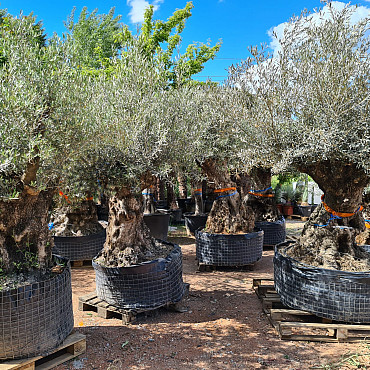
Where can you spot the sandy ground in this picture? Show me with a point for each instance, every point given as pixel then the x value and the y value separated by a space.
pixel 224 328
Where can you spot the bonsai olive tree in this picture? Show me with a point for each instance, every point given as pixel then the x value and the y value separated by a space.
pixel 311 109
pixel 40 129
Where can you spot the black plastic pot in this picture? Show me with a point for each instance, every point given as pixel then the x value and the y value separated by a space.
pixel 228 250
pixel 78 248
pixel 176 215
pixel 305 211
pixel 338 295
pixel 102 212
pixel 146 286
pixel 274 232
pixel 36 318
pixel 158 224
pixel 195 222
pixel 182 204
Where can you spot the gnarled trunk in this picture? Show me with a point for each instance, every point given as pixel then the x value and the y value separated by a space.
pixel 228 213
pixel 327 240
pixel 171 201
pixel 364 236
pixel 260 196
pixel 76 220
pixel 183 188
pixel 148 200
pixel 160 189
pixel 24 234
pixel 128 239
pixel 197 193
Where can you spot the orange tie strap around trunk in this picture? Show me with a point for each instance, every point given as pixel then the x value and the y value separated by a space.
pixel 223 190
pixel 339 214
pixel 64 196
pixel 367 224
pixel 261 194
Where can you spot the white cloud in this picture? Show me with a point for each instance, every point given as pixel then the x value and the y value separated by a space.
pixel 359 13
pixel 138 8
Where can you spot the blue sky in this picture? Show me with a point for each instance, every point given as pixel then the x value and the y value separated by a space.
pixel 239 23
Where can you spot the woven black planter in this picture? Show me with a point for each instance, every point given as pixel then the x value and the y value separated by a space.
pixel 274 232
pixel 228 250
pixel 195 222
pixel 36 318
pixel 146 286
pixel 78 248
pixel 332 294
pixel 158 224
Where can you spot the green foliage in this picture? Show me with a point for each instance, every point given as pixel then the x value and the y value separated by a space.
pixel 159 41
pixel 95 37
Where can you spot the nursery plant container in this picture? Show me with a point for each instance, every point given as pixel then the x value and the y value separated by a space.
pixel 37 317
pixel 194 222
pixel 181 203
pixel 332 294
pixel 304 211
pixel 280 208
pixel 158 224
pixel 102 212
pixel 228 249
pixel 176 215
pixel 146 286
pixel 274 232
pixel 287 210
pixel 78 248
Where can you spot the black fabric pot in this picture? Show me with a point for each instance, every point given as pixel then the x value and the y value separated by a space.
pixel 158 224
pixel 78 248
pixel 195 222
pixel 176 215
pixel 228 250
pixel 274 232
pixel 36 318
pixel 332 294
pixel 146 286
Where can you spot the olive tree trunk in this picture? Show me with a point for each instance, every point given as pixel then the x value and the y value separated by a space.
pixel 228 214
pixel 327 241
pixel 128 239
pixel 24 232
pixel 171 201
pixel 197 193
pixel 183 188
pixel 262 203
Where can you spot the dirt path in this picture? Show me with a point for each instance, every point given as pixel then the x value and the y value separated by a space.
pixel 224 328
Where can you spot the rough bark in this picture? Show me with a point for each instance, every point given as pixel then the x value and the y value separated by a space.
pixel 364 236
pixel 228 214
pixel 160 189
pixel 183 188
pixel 76 220
pixel 171 201
pixel 24 233
pixel 333 246
pixel 197 193
pixel 264 207
pixel 148 200
pixel 128 238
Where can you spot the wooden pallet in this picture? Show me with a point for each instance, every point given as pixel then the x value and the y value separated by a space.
pixel 294 324
pixel 91 302
pixel 73 346
pixel 202 267
pixel 297 217
pixel 82 263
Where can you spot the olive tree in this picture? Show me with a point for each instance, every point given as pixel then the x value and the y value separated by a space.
pixel 40 130
pixel 310 111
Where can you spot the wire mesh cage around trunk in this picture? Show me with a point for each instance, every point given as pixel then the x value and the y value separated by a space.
pixel 274 232
pixel 146 286
pixel 333 294
pixel 36 318
pixel 228 250
pixel 78 248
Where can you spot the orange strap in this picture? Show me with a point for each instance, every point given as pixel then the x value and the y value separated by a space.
pixel 64 196
pixel 261 195
pixel 197 190
pixel 339 214
pixel 223 190
pixel 367 225
pixel 90 198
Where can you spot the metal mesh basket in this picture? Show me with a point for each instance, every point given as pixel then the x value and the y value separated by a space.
pixel 78 248
pixel 274 232
pixel 146 286
pixel 228 250
pixel 36 318
pixel 332 294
